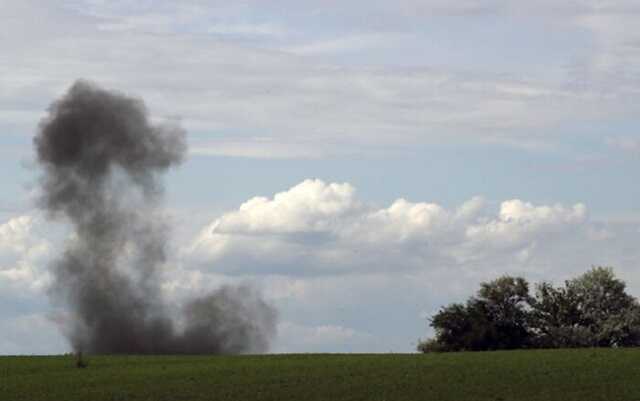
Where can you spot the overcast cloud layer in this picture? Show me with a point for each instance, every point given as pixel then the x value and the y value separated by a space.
pixel 363 162
pixel 301 79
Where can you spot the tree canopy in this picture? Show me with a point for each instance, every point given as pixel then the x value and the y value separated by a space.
pixel 592 310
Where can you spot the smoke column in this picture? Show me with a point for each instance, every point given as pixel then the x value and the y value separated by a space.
pixel 101 160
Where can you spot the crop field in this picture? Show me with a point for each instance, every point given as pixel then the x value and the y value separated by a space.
pixel 588 374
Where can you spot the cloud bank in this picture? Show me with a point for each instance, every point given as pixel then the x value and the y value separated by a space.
pixel 323 228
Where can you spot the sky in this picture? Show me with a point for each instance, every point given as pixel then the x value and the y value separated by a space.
pixel 362 163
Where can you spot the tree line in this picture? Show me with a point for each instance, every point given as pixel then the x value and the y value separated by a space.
pixel 592 310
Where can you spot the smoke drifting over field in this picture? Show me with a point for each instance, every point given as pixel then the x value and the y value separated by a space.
pixel 102 160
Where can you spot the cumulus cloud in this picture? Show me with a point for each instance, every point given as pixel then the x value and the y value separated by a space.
pixel 24 252
pixel 310 206
pixel 521 225
pixel 22 255
pixel 319 228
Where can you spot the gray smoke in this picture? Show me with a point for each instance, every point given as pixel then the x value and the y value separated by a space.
pixel 102 160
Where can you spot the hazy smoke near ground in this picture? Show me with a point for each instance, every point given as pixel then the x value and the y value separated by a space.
pixel 102 159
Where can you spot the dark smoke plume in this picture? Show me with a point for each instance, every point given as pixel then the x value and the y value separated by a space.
pixel 102 159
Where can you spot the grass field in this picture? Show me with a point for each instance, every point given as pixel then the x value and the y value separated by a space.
pixel 567 375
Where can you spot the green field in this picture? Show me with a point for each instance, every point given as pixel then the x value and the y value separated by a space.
pixel 591 374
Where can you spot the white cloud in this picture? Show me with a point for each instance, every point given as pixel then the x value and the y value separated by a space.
pixel 22 255
pixel 311 206
pixel 521 223
pixel 320 228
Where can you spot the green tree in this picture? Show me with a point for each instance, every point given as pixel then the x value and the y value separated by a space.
pixel 555 318
pixel 507 300
pixel 592 310
pixel 461 328
pixel 611 315
pixel 495 319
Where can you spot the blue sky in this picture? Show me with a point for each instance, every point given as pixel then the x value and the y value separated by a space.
pixel 361 162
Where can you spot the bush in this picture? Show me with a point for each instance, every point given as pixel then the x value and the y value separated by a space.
pixel 431 345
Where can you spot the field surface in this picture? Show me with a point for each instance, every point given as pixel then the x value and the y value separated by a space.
pixel 565 375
